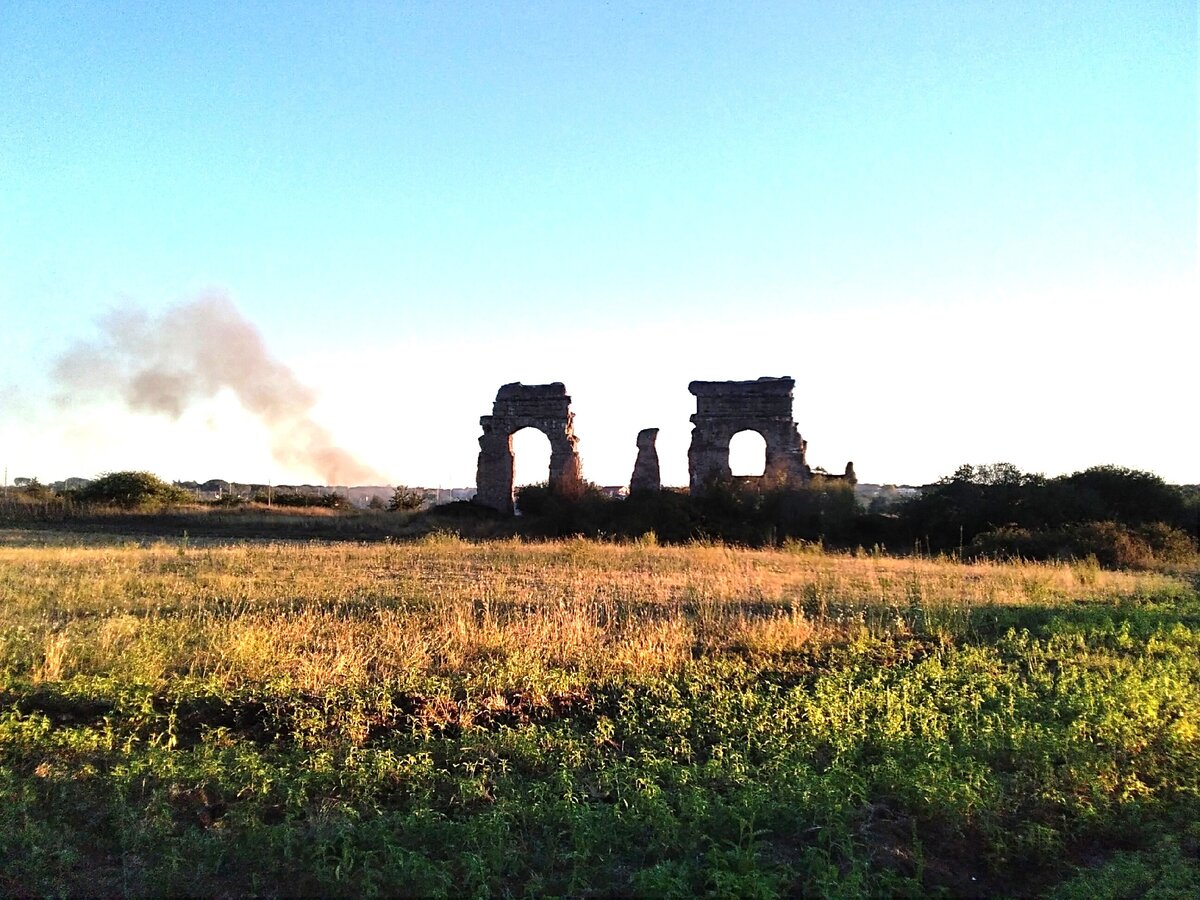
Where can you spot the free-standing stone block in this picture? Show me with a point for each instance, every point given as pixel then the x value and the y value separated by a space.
pixel 545 407
pixel 645 469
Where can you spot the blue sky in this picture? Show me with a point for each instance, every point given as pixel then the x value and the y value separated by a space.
pixel 967 229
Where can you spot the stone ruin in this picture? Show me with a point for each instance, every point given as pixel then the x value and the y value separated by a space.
pixel 723 409
pixel 645 468
pixel 545 407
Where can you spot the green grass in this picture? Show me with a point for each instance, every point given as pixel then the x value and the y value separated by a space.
pixel 447 718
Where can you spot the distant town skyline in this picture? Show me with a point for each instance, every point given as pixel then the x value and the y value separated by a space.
pixel 967 230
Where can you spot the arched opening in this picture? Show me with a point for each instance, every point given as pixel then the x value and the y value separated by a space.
pixel 747 454
pixel 531 457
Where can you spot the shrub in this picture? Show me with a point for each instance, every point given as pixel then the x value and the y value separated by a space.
pixel 978 500
pixel 758 513
pixel 131 489
pixel 974 500
pixel 532 499
pixel 582 510
pixel 1129 495
pixel 1112 544
pixel 322 499
pixel 466 511
pixel 1169 544
pixel 669 514
pixel 405 499
pixel 746 511
pixel 34 490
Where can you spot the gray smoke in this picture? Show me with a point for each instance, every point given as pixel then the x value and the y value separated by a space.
pixel 163 364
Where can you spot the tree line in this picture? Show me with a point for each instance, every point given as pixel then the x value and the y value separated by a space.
pixel 1116 515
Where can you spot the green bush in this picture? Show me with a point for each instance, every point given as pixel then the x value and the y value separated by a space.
pixel 321 499
pixel 131 489
pixel 1128 495
pixel 35 491
pixel 755 513
pixel 1112 544
pixel 668 514
pixel 405 499
pixel 533 499
pixel 1122 517
pixel 549 512
pixel 979 500
pixel 740 512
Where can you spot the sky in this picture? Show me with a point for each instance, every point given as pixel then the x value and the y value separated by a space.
pixel 967 229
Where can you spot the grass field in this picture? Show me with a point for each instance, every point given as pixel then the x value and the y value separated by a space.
pixel 450 718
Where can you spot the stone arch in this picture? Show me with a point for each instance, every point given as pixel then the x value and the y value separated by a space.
pixel 724 408
pixel 545 407
pixel 748 447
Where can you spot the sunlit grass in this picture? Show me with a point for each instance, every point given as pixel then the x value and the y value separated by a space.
pixel 450 718
pixel 320 616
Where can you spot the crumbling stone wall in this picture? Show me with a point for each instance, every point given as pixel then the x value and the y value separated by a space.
pixel 848 476
pixel 545 407
pixel 723 408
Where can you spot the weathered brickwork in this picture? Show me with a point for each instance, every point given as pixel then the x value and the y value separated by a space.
pixel 723 408
pixel 545 407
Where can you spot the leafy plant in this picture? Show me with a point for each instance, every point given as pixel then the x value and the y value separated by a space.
pixel 405 499
pixel 131 489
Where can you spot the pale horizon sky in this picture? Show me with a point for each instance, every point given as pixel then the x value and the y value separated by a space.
pixel 968 230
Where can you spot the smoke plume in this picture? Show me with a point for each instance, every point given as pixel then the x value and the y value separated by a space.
pixel 163 364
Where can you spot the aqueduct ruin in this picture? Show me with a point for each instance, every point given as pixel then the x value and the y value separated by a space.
pixel 723 409
pixel 545 407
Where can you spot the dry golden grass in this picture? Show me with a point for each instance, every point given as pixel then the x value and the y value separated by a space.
pixel 319 617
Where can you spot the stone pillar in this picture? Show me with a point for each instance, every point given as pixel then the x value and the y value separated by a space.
pixel 566 470
pixel 494 475
pixel 645 469
pixel 785 455
pixel 708 456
